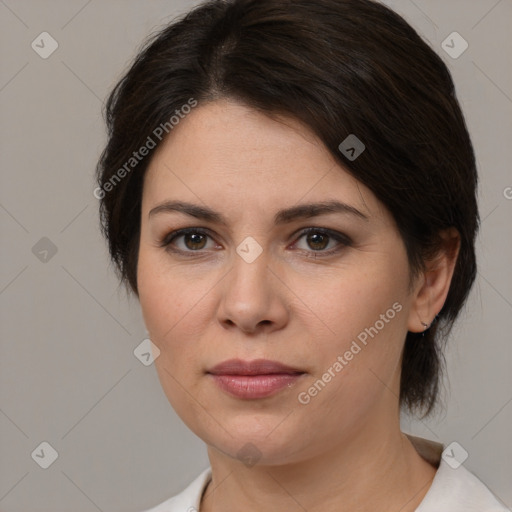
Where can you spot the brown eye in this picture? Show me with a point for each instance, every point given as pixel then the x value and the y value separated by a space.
pixel 188 240
pixel 322 242
pixel 317 241
pixel 194 241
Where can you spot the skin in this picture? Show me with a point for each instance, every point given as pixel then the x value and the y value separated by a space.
pixel 344 449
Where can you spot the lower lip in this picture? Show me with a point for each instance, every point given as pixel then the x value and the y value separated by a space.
pixel 255 386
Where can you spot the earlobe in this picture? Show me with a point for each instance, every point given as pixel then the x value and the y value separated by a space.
pixel 434 283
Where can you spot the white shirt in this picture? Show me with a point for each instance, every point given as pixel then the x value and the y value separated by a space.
pixel 452 490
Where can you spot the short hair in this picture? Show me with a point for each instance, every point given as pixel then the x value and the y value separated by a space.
pixel 340 67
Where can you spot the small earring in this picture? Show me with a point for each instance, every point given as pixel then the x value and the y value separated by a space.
pixel 426 326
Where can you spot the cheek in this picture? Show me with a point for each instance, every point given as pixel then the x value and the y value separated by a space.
pixel 349 304
pixel 168 305
pixel 176 312
pixel 165 295
pixel 366 316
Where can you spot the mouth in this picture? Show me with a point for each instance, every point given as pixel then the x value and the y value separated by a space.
pixel 251 380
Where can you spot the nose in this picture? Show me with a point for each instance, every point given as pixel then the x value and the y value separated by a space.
pixel 253 298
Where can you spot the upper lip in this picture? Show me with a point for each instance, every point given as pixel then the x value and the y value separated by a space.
pixel 256 367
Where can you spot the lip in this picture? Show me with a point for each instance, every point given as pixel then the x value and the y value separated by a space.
pixel 256 367
pixel 256 379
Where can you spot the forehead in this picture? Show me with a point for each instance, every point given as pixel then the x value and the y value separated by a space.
pixel 226 153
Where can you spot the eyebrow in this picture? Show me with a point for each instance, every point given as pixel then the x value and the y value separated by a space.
pixel 303 211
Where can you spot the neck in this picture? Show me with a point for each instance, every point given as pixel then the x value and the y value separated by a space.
pixel 374 469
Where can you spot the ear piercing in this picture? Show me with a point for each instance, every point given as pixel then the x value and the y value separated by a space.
pixel 426 326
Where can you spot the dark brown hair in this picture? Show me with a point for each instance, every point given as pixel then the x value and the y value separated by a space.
pixel 341 67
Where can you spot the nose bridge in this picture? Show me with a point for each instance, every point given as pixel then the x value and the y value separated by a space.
pixel 251 259
pixel 251 295
pixel 249 276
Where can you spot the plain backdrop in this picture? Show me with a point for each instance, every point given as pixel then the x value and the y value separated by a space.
pixel 68 373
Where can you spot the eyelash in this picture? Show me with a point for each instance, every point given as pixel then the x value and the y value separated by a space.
pixel 343 240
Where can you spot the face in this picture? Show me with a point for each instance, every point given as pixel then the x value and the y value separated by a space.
pixel 236 264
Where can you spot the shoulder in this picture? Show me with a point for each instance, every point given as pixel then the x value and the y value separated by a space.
pixel 454 488
pixel 459 490
pixel 187 500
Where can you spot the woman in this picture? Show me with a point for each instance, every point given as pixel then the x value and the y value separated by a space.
pixel 289 190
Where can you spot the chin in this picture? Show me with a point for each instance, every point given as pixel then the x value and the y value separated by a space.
pixel 254 439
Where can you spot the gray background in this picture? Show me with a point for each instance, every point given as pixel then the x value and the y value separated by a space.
pixel 68 374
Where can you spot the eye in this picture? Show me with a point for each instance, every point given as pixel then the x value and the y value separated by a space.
pixel 188 240
pixel 320 240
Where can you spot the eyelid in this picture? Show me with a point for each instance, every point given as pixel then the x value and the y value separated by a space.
pixel 341 238
pixel 337 235
pixel 169 237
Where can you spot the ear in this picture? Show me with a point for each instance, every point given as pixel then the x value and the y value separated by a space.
pixel 432 285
